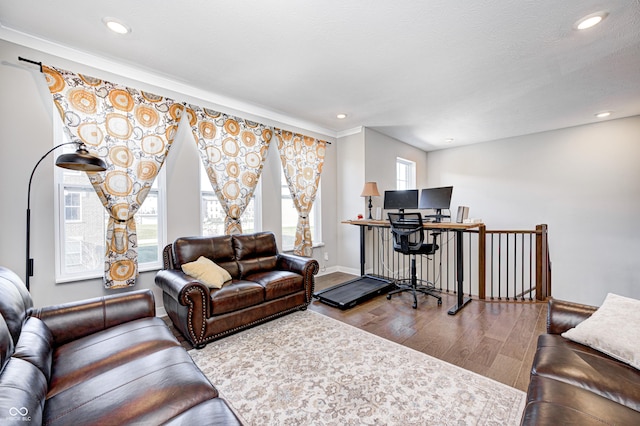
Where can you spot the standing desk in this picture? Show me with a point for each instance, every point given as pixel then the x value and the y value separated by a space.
pixel 458 228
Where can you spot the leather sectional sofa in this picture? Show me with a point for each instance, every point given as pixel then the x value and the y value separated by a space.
pixel 264 284
pixel 575 384
pixel 107 361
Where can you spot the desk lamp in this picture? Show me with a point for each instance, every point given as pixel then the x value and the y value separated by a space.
pixel 370 190
pixel 80 160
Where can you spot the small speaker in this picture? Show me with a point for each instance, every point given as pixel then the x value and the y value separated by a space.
pixel 463 214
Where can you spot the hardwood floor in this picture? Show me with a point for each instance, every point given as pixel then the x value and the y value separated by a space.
pixel 494 339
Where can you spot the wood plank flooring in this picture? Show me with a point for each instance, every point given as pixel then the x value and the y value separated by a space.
pixel 494 339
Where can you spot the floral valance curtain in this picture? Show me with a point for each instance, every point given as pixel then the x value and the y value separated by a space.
pixel 233 151
pixel 302 159
pixel 132 131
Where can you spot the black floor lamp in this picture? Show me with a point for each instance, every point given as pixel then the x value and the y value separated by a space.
pixel 79 160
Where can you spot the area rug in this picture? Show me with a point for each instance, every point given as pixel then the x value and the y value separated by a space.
pixel 309 369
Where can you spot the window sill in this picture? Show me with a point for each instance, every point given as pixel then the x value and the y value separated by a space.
pixel 149 267
pixel 315 245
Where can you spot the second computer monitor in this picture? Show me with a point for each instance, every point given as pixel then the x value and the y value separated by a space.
pixel 401 199
pixel 436 198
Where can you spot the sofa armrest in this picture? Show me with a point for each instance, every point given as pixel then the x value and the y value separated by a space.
pixel 299 264
pixel 187 302
pixel 180 286
pixel 563 315
pixel 304 266
pixel 71 321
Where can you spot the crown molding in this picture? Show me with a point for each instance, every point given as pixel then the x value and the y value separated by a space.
pixel 349 132
pixel 131 72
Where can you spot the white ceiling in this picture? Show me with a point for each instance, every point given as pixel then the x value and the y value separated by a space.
pixel 420 71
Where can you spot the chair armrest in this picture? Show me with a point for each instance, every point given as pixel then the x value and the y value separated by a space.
pixel 563 315
pixel 299 264
pixel 71 321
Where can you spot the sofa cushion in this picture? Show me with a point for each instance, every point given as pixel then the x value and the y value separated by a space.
pixel 583 367
pixel 613 329
pixel 15 300
pixel 235 296
pixel 207 272
pixel 255 252
pixel 90 356
pixel 278 283
pixel 551 402
pixel 35 345
pixel 150 389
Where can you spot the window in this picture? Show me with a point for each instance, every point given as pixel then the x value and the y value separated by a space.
pixel 290 217
pixel 73 250
pixel 72 206
pixel 213 214
pixel 82 221
pixel 405 174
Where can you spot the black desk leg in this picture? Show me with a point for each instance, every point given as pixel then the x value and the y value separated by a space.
pixel 362 259
pixel 462 301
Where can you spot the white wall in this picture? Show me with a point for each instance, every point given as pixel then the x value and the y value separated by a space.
pixel 351 177
pixel 26 133
pixel 584 182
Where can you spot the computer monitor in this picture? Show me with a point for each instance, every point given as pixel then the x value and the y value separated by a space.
pixel 401 199
pixel 437 199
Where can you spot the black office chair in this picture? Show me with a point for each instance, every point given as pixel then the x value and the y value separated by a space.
pixel 408 238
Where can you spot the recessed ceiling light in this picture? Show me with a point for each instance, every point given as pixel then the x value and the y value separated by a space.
pixel 448 140
pixel 341 116
pixel 603 114
pixel 590 20
pixel 116 26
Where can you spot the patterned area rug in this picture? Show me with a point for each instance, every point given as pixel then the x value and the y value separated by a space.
pixel 309 369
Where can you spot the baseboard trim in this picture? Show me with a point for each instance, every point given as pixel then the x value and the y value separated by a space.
pixel 327 271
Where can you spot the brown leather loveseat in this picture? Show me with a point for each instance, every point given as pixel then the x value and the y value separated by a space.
pixel 264 284
pixel 575 384
pixel 106 361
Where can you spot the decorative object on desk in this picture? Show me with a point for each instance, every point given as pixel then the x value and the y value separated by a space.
pixel 463 214
pixel 370 190
pixel 80 160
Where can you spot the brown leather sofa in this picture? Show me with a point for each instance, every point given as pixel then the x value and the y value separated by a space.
pixel 575 384
pixel 265 284
pixel 106 361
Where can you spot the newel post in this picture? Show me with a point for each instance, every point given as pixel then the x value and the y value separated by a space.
pixel 543 271
pixel 482 261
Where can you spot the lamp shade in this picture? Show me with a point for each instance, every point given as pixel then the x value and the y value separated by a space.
pixel 370 190
pixel 81 160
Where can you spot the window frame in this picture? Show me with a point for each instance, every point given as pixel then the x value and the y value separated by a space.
pixel 408 178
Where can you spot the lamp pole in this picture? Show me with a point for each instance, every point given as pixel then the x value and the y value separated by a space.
pixel 29 260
